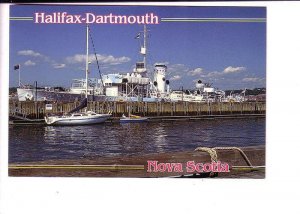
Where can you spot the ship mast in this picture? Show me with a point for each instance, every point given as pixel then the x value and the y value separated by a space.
pixel 87 62
pixel 141 66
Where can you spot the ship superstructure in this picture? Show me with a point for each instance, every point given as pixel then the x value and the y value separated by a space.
pixel 137 86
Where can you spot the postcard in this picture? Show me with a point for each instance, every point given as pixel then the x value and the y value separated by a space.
pixel 137 91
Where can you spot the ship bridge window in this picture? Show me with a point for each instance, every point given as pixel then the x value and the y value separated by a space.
pixel 77 85
pixel 140 65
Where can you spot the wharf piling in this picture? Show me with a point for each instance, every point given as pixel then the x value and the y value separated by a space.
pixel 37 110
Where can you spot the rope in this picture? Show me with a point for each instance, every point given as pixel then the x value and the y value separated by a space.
pixel 213 153
pixel 96 56
pixel 214 156
pixel 238 149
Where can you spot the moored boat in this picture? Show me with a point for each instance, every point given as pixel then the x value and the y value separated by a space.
pixel 84 118
pixel 133 119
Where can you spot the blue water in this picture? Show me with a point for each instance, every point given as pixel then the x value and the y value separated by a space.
pixel 36 143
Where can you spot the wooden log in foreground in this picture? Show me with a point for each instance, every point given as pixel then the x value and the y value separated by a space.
pixel 137 166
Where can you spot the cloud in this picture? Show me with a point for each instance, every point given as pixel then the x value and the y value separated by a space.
pixel 78 58
pixel 212 74
pixel 228 70
pixel 58 66
pixel 251 79
pixel 29 63
pixel 165 63
pixel 29 53
pixel 177 69
pixel 195 72
pixel 103 59
pixel 231 69
pixel 175 78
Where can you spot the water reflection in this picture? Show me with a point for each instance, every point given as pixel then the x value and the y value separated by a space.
pixel 33 143
pixel 159 137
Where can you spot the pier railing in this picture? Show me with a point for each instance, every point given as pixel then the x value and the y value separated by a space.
pixel 37 110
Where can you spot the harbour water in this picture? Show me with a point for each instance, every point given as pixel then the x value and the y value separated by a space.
pixel 38 143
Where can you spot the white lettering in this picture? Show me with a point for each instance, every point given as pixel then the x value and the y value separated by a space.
pixel 90 18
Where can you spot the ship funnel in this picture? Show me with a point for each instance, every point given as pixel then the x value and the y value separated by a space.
pixel 160 76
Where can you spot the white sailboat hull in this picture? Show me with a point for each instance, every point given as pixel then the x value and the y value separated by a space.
pixel 77 120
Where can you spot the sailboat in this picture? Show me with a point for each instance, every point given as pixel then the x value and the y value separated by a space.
pixel 82 118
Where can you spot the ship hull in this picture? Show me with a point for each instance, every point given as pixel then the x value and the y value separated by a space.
pixel 42 95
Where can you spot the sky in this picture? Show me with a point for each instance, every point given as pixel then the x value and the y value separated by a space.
pixel 229 55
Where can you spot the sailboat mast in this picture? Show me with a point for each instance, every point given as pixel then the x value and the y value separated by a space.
pixel 87 61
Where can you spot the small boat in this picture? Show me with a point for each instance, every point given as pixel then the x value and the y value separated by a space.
pixel 132 119
pixel 82 118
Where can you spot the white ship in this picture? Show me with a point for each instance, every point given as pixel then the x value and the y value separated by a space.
pixel 203 92
pixel 134 86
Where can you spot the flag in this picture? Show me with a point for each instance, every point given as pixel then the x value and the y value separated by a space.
pixel 138 36
pixel 16 67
